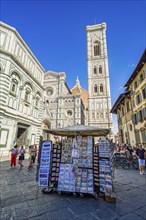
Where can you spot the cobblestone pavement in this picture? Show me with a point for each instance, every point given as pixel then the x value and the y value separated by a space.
pixel 19 200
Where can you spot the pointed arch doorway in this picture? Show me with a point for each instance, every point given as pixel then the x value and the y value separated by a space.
pixel 46 124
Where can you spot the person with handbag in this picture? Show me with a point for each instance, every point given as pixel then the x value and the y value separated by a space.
pixel 21 153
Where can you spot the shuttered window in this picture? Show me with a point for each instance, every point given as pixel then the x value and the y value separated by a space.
pixel 143 134
pixel 137 135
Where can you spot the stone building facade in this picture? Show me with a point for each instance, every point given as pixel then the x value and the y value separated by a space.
pixel 32 100
pixel 98 78
pixel 62 107
pixel 130 107
pixel 21 94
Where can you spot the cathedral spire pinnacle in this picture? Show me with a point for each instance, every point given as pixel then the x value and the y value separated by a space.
pixel 78 83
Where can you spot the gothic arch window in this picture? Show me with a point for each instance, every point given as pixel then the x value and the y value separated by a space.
pixel 95 88
pixel 97 48
pixel 15 80
pixel 27 94
pixel 101 88
pixel 28 91
pixel 14 86
pixel 37 100
pixel 100 69
pixel 95 70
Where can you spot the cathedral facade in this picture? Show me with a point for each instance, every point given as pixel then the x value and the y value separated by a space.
pixel 62 107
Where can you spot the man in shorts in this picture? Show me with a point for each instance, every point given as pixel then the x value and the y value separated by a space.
pixel 140 155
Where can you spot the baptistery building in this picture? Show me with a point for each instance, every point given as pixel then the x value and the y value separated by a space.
pixel 21 94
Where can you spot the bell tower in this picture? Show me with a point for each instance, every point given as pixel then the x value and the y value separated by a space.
pixel 98 78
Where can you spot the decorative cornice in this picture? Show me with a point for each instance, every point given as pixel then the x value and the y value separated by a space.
pixel 2 24
pixel 21 66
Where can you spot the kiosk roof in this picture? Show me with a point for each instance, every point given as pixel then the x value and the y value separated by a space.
pixel 79 130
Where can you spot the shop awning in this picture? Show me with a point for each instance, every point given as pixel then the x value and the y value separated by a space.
pixel 79 130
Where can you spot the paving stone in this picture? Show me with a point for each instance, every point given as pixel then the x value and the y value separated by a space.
pixel 26 213
pixel 141 212
pixel 40 217
pixel 36 202
pixel 30 196
pixel 77 200
pixel 55 206
pixel 51 197
pixel 14 207
pixel 87 217
pixel 106 214
pixel 130 216
pixel 7 216
pixel 12 201
pixel 80 209
pixel 42 209
pixel 123 208
pixel 63 214
pixel 133 192
pixel 100 204
pixel 11 194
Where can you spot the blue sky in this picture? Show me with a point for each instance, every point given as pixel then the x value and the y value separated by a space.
pixel 55 32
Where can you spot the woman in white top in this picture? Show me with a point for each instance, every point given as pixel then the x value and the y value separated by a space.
pixel 14 152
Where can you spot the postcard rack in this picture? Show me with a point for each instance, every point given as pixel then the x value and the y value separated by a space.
pixel 76 165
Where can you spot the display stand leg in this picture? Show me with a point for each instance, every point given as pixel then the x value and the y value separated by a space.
pixel 37 192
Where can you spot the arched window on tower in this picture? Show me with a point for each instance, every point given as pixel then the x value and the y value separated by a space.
pixel 101 87
pixel 95 88
pixel 97 49
pixel 100 69
pixel 95 70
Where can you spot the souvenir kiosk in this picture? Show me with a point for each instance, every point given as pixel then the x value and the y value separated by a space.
pixel 77 164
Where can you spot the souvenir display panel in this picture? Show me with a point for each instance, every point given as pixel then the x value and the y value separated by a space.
pixel 44 164
pixel 96 167
pixel 105 166
pixel 56 158
pixel 76 173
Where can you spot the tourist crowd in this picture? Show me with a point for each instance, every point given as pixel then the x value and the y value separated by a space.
pixel 19 152
pixel 132 152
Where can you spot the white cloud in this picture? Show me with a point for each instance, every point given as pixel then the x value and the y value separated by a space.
pixel 121 87
pixel 131 65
